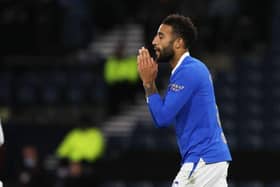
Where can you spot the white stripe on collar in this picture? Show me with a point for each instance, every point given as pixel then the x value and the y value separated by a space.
pixel 180 61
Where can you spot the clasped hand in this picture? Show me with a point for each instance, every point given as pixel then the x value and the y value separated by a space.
pixel 147 67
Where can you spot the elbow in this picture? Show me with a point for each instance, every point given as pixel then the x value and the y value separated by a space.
pixel 163 121
pixel 162 117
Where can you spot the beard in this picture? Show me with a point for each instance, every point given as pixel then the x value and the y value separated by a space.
pixel 165 55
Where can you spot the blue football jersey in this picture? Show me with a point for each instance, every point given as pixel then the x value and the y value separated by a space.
pixel 190 105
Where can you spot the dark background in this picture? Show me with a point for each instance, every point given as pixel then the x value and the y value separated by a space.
pixel 51 74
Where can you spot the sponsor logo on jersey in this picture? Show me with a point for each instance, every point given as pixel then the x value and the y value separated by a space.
pixel 176 87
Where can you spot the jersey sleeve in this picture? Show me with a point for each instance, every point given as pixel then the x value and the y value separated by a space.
pixel 180 90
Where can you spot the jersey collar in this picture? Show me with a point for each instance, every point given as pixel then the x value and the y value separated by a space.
pixel 180 61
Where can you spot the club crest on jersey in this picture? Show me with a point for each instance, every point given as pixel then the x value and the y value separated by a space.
pixel 176 87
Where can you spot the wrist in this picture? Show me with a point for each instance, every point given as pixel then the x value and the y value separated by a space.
pixel 150 88
pixel 148 84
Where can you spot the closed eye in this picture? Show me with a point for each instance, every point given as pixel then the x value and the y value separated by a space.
pixel 160 35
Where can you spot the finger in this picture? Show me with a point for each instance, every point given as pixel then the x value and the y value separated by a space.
pixel 138 60
pixel 143 58
pixel 142 63
pixel 146 54
pixel 151 60
pixel 156 65
pixel 141 50
pixel 148 60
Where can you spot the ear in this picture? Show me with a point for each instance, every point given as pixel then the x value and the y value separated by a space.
pixel 179 43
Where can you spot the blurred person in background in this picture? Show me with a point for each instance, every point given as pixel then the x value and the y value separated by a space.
pixel 189 104
pixel 121 77
pixel 75 173
pixel 78 152
pixel 30 172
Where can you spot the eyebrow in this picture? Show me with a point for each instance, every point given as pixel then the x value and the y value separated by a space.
pixel 160 33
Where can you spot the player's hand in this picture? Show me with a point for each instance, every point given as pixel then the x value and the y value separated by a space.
pixel 147 67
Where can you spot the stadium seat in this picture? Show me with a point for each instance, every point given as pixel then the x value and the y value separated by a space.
pixel 113 184
pixel 255 183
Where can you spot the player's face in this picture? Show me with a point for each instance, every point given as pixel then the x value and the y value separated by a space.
pixel 163 43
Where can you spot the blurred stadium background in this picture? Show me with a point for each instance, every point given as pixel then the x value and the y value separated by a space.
pixel 52 77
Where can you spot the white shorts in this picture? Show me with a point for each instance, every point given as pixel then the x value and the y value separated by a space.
pixel 204 175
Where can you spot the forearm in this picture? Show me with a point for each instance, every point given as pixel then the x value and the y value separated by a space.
pixel 150 88
pixel 162 115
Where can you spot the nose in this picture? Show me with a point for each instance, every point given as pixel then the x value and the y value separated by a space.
pixel 154 42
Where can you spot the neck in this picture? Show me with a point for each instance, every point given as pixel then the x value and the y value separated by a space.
pixel 177 57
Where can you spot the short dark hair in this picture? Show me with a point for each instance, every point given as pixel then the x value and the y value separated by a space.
pixel 183 27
